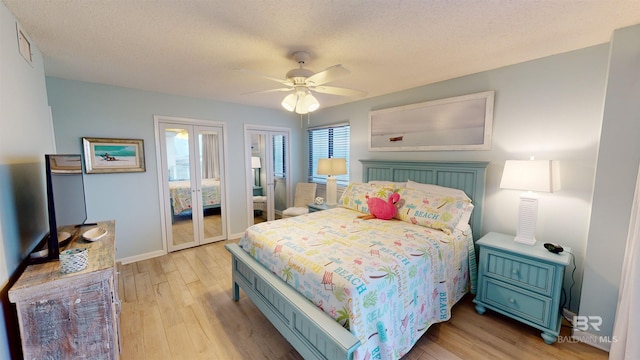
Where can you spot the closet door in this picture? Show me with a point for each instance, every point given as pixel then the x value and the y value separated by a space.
pixel 209 173
pixel 278 177
pixel 268 162
pixel 193 185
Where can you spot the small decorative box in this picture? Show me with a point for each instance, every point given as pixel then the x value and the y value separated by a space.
pixel 73 260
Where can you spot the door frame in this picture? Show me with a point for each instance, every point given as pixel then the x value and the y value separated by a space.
pixel 157 119
pixel 248 128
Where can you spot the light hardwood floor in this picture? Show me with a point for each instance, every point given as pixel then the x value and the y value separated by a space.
pixel 179 306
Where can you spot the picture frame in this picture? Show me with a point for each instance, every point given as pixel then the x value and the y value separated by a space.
pixel 456 123
pixel 65 164
pixel 108 155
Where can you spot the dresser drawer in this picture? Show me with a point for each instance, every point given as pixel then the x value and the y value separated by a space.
pixel 513 300
pixel 528 274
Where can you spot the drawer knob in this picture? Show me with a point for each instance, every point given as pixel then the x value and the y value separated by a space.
pixel 515 271
pixel 512 300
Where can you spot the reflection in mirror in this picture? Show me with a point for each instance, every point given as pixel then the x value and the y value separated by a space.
pixel 210 183
pixel 279 173
pixel 179 175
pixel 260 213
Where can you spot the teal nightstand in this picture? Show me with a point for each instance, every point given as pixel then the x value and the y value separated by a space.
pixel 521 281
pixel 315 207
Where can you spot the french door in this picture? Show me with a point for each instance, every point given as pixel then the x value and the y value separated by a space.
pixel 191 172
pixel 268 172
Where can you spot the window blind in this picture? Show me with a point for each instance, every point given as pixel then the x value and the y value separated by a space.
pixel 279 152
pixel 328 142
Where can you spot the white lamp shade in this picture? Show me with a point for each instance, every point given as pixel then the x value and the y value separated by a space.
pixel 301 101
pixel 300 106
pixel 332 166
pixel 290 101
pixel 531 175
pixel 311 103
pixel 255 162
pixel 324 167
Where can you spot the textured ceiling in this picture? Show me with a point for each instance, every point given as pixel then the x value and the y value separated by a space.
pixel 191 47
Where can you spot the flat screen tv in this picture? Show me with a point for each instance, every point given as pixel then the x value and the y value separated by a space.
pixel 65 201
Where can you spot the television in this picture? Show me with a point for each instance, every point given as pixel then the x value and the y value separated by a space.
pixel 65 202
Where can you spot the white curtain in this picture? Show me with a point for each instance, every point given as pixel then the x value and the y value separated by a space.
pixel 626 329
pixel 210 158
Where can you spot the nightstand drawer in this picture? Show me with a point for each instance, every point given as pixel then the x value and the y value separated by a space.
pixel 522 303
pixel 529 274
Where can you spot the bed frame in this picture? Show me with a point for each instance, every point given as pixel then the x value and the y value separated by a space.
pixel 314 334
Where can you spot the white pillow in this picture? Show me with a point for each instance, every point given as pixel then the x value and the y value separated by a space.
pixel 466 217
pixel 397 185
pixel 438 189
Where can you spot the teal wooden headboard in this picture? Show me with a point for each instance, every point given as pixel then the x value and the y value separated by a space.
pixel 468 176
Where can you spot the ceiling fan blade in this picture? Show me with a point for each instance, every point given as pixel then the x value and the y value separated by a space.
pixel 267 91
pixel 338 91
pixel 255 73
pixel 328 75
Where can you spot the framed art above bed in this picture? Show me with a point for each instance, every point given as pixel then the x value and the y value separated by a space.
pixel 455 123
pixel 333 299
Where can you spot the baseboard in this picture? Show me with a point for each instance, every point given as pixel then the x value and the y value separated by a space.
pixel 597 341
pixel 141 257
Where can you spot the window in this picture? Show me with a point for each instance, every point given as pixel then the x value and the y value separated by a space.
pixel 279 152
pixel 328 142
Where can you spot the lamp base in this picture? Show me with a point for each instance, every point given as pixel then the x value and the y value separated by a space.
pixel 332 190
pixel 524 240
pixel 527 217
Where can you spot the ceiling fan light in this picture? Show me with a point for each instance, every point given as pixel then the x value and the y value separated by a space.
pixel 289 102
pixel 311 103
pixel 301 108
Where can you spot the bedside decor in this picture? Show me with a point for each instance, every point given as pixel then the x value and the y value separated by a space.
pixel 102 155
pixel 332 167
pixel 73 260
pixel 530 175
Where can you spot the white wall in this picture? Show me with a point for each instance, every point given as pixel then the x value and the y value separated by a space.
pixel 550 108
pixel 83 109
pixel 618 159
pixel 25 136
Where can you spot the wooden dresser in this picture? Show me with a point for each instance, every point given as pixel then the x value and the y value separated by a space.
pixel 76 315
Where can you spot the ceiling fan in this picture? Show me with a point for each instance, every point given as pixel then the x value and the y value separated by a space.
pixel 301 82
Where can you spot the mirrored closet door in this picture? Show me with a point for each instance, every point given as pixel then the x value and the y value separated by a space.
pixel 269 184
pixel 192 169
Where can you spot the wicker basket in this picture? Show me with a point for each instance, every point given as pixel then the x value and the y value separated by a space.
pixel 73 260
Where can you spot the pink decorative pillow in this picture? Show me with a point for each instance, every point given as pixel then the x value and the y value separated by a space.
pixel 355 195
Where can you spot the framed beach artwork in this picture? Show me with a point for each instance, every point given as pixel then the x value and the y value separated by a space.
pixel 102 155
pixel 456 123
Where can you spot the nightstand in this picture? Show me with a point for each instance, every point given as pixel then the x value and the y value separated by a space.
pixel 315 207
pixel 521 281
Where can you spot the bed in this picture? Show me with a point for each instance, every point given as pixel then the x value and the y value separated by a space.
pixel 380 327
pixel 180 193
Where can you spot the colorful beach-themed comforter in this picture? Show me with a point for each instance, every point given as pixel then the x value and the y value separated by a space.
pixel 386 281
pixel 180 192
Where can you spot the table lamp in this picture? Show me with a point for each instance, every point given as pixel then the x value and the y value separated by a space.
pixel 532 176
pixel 255 164
pixel 332 167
